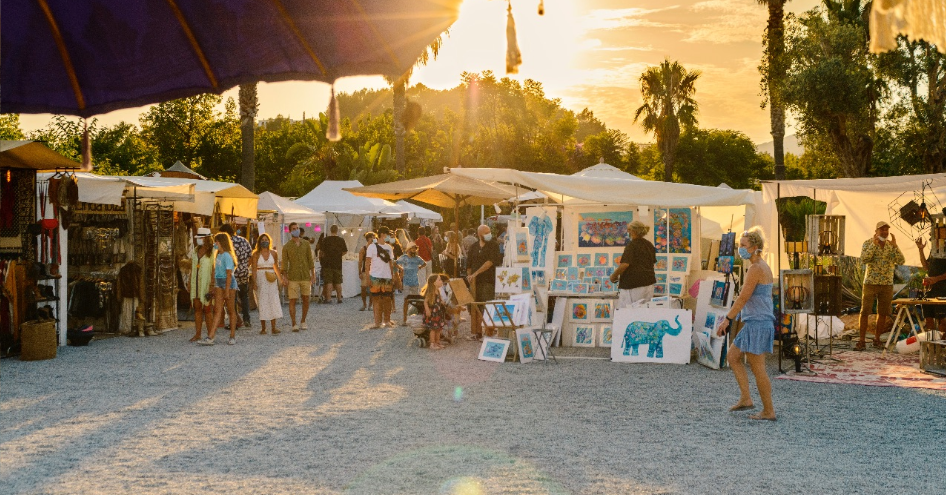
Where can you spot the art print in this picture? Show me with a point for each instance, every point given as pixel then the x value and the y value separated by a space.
pixel 604 336
pixel 602 311
pixel 680 264
pixel 714 318
pixel 710 350
pixel 522 308
pixel 720 294
pixel 563 260
pixel 508 280
pixel 526 284
pixel 584 336
pixel 526 341
pixel 522 245
pixel 660 288
pixel 617 259
pixel 727 245
pixel 605 229
pixel 583 260
pixel 493 350
pixel 676 285
pixel 559 285
pixel 497 317
pixel 580 289
pixel 538 278
pixel 561 273
pixel 572 274
pixel 579 311
pixel 653 335
pixel 680 235
pixel 602 259
pixel 541 228
pixel 724 264
pixel 661 264
pixel 608 286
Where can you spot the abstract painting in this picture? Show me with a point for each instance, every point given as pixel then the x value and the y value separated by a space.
pixel 579 311
pixel 563 260
pixel 602 310
pixel 584 336
pixel 494 350
pixel 583 260
pixel 605 229
pixel 724 264
pixel 602 259
pixel 727 246
pixel 680 264
pixel 660 288
pixel 526 341
pixel 661 264
pixel 526 283
pixel 652 335
pixel 604 336
pixel 508 280
pixel 680 234
pixel 617 259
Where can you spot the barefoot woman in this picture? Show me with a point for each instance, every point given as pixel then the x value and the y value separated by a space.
pixel 758 331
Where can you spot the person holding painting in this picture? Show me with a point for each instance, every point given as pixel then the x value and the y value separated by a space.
pixel 636 271
pixel 754 307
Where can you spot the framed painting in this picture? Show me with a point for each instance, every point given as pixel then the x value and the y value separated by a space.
pixel 579 311
pixel 608 286
pixel 616 259
pixel 494 350
pixel 523 308
pixel 727 245
pixel 676 285
pixel 604 229
pixel 525 339
pixel 584 336
pixel 572 275
pixel 652 335
pixel 526 283
pixel 508 280
pixel 559 285
pixel 660 288
pixel 583 260
pixel 661 264
pixel 602 310
pixel 604 335
pixel 724 264
pixel 602 259
pixel 674 227
pixel 561 273
pixel 720 294
pixel 563 260
pixel 580 289
pixel 538 278
pixel 521 239
pixel 680 264
pixel 494 314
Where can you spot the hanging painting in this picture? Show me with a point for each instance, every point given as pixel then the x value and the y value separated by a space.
pixel 604 229
pixel 676 285
pixel 579 311
pixel 538 278
pixel 679 220
pixel 652 335
pixel 660 288
pixel 494 350
pixel 521 239
pixel 602 259
pixel 508 280
pixel 541 228
pixel 526 283
pixel 602 310
pixel 583 260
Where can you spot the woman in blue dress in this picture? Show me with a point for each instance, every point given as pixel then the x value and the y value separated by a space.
pixel 754 308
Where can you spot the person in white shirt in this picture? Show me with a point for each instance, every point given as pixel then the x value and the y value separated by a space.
pixel 379 260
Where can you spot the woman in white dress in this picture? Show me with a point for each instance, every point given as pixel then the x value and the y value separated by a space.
pixel 265 269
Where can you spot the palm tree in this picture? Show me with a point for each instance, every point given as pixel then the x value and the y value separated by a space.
pixel 249 106
pixel 400 100
pixel 774 71
pixel 668 102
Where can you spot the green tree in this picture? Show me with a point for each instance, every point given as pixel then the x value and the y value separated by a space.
pixel 773 71
pixel 668 91
pixel 10 127
pixel 831 85
pixel 710 157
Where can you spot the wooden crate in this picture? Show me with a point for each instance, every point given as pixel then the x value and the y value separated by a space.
pixel 828 295
pixel 39 340
pixel 933 357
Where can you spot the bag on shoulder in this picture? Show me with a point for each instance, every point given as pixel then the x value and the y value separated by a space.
pixel 383 254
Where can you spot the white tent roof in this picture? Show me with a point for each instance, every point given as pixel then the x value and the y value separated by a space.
pixel 231 198
pixel 288 210
pixel 109 189
pixel 419 211
pixel 604 171
pixel 615 191
pixel 329 197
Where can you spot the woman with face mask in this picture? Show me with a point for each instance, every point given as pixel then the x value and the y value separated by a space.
pixel 225 288
pixel 754 308
pixel 264 268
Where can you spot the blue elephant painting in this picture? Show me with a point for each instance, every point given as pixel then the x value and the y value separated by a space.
pixel 650 333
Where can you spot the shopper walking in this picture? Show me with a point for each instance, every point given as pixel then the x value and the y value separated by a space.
pixel 333 250
pixel 379 260
pixel 266 274
pixel 754 308
pixel 243 251
pixel 298 270
pixel 202 274
pixel 225 289
pixel 363 271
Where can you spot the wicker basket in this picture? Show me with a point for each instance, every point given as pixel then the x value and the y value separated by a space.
pixel 38 339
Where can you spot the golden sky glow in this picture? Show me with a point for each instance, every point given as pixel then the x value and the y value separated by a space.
pixel 588 53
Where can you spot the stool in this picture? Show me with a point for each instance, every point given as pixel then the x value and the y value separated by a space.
pixel 544 334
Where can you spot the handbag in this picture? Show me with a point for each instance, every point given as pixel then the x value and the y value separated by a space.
pixel 270 276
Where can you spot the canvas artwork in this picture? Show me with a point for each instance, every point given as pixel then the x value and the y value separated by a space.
pixel 710 351
pixel 660 288
pixel 581 289
pixel 526 341
pixel 724 264
pixel 727 245
pixel 676 285
pixel 661 264
pixel 584 336
pixel 572 274
pixel 563 261
pixel 522 245
pixel 583 260
pixel 602 259
pixel 680 235
pixel 559 285
pixel 720 294
pixel 602 310
pixel 579 311
pixel 508 280
pixel 541 228
pixel 538 278
pixel 561 274
pixel 493 350
pixel 617 259
pixel 608 286
pixel 604 336
pixel 494 314
pixel 605 229
pixel 680 264
pixel 652 335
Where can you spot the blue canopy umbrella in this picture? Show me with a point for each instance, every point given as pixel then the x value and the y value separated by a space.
pixel 86 57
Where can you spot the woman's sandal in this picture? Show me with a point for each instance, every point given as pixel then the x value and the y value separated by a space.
pixel 860 346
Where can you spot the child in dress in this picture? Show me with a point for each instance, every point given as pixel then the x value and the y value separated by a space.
pixel 435 311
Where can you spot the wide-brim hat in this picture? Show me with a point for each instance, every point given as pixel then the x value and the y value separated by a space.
pixel 638 226
pixel 203 232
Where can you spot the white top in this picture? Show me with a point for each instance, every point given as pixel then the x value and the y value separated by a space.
pixel 379 269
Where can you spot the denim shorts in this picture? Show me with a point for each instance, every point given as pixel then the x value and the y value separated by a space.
pixel 220 283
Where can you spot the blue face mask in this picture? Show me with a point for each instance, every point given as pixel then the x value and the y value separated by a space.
pixel 744 253
pixel 488 237
pixel 264 244
pixel 294 233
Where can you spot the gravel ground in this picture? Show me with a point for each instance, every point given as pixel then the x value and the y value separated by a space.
pixel 343 409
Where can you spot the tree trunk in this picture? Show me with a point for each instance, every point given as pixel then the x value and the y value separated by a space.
pixel 249 105
pixel 777 114
pixel 775 51
pixel 400 103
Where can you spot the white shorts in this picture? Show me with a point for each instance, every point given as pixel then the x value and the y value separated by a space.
pixel 627 297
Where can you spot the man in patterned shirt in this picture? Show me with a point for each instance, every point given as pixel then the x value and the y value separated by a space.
pixel 243 251
pixel 881 255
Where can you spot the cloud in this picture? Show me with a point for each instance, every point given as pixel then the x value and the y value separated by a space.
pixel 728 21
pixel 623 18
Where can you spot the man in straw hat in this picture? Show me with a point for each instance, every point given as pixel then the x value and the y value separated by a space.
pixel 636 271
pixel 881 255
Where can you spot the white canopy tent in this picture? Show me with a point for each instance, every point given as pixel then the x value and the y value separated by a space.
pixel 109 190
pixel 288 210
pixel 419 212
pixel 863 202
pixel 330 198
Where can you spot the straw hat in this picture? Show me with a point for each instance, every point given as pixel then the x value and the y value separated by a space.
pixel 639 227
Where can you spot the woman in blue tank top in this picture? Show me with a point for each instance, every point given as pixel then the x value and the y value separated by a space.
pixel 754 308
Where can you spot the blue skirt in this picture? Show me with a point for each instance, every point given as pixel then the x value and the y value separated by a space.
pixel 756 337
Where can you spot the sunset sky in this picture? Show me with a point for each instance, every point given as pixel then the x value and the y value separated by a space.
pixel 588 53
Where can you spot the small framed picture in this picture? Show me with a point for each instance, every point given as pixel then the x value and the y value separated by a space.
pixel 583 260
pixel 579 311
pixel 561 273
pixel 604 335
pixel 526 279
pixel 526 341
pixel 680 264
pixel 581 288
pixel 563 260
pixel 727 245
pixel 602 259
pixel 660 288
pixel 522 245
pixel 494 350
pixel 616 257
pixel 602 310
pixel 559 285
pixel 572 274
pixel 661 264
pixel 724 264
pixel 584 336
pixel 538 278
pixel 676 285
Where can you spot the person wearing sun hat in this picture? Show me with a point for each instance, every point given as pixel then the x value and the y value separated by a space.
pixel 881 255
pixel 635 274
